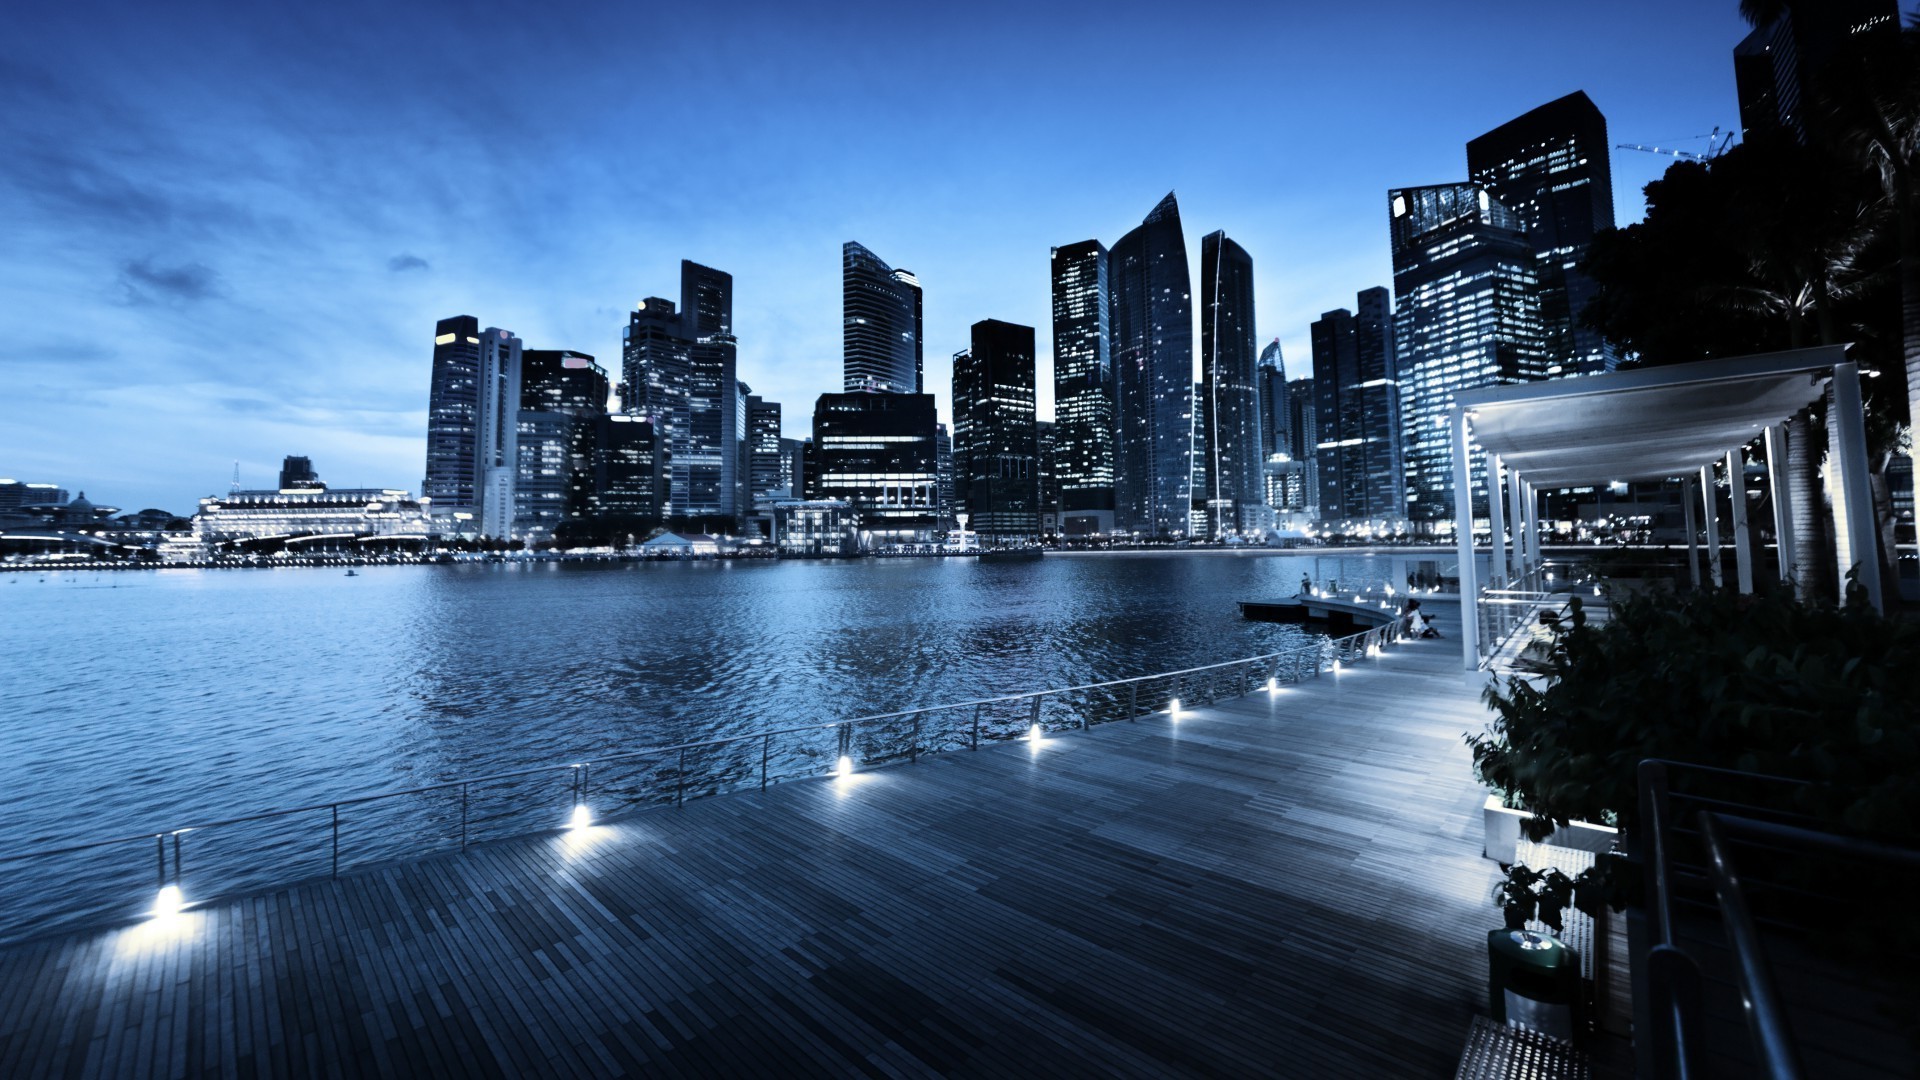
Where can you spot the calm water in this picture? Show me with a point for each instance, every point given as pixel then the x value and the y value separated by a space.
pixel 145 701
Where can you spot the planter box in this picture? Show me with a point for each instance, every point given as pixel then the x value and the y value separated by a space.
pixel 1503 833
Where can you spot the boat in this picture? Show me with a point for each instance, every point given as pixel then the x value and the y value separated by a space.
pixel 353 573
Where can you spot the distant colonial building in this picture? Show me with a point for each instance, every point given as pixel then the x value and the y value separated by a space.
pixel 300 517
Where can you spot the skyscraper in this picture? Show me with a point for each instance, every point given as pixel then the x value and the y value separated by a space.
pixel 706 480
pixel 1550 167
pixel 1358 411
pixel 1229 442
pixel 1777 69
pixel 1152 327
pixel 943 470
pixel 1082 388
pixel 629 467
pixel 562 394
pixel 1303 437
pixel 764 460
pixel 877 452
pixel 881 314
pixel 679 370
pixel 296 474
pixel 996 445
pixel 471 430
pixel 1468 316
pixel 1271 380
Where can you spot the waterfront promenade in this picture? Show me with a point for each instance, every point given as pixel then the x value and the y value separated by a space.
pixel 1285 885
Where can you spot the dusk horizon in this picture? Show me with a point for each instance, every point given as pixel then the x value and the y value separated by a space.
pixel 241 256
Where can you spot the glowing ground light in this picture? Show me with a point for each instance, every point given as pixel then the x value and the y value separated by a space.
pixel 1273 685
pixel 1034 733
pixel 169 902
pixel 582 817
pixel 1173 708
pixel 845 768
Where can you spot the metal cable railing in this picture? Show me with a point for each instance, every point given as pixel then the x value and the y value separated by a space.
pixel 691 770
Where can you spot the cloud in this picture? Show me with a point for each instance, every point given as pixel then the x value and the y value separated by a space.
pixel 404 262
pixel 144 281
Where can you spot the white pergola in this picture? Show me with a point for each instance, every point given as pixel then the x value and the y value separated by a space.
pixel 1653 424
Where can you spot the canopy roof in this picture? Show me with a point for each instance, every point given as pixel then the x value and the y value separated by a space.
pixel 1643 424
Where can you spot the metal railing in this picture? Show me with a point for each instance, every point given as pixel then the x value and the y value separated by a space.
pixel 695 769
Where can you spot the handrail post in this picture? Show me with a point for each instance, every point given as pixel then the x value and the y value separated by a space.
pixel 1133 701
pixel 1036 709
pixel 336 839
pixel 913 752
pixel 976 728
pixel 160 860
pixel 680 781
pixel 463 816
pixel 766 744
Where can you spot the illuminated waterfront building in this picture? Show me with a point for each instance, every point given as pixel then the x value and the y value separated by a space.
pixel 1271 381
pixel 1229 440
pixel 1551 168
pixel 304 516
pixel 881 315
pixel 471 428
pixel 996 446
pixel 629 467
pixel 766 468
pixel 705 466
pixel 1358 413
pixel 1082 388
pixel 1467 315
pixel 1151 321
pixel 876 452
pixel 562 395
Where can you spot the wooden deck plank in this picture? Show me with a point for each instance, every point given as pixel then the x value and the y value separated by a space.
pixel 1283 884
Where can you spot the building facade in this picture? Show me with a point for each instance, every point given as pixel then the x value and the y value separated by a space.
pixel 1356 382
pixel 766 465
pixel 1083 388
pixel 706 478
pixel 298 518
pixel 562 394
pixel 1778 68
pixel 1229 440
pixel 1151 321
pixel 1271 380
pixel 1551 168
pixel 629 467
pixel 1302 492
pixel 471 430
pixel 876 452
pixel 996 450
pixel 881 314
pixel 1468 315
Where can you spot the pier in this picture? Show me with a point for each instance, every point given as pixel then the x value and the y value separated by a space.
pixel 1286 883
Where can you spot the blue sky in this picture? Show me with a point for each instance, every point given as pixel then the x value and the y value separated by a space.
pixel 228 229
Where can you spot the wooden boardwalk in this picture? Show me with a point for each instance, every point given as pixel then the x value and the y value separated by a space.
pixel 1289 886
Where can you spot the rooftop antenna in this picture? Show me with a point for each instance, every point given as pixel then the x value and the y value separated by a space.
pixel 235 486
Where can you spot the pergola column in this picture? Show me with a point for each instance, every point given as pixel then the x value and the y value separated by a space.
pixel 1742 542
pixel 1531 520
pixel 1497 571
pixel 1693 535
pixel 1776 440
pixel 1711 507
pixel 1463 537
pixel 1515 507
pixel 1853 501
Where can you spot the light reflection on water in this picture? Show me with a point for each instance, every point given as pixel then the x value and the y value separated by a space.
pixel 151 700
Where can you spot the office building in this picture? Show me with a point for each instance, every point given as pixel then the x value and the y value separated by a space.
pixel 1779 67
pixel 943 467
pixel 1358 412
pixel 881 314
pixel 876 452
pixel 471 430
pixel 996 447
pixel 1299 481
pixel 1229 440
pixel 706 480
pixel 562 394
pixel 1551 168
pixel 629 467
pixel 1468 315
pixel 766 466
pixel 1083 388
pixel 792 467
pixel 1046 434
pixel 1271 381
pixel 1151 321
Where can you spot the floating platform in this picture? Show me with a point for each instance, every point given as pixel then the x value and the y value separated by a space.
pixel 1338 615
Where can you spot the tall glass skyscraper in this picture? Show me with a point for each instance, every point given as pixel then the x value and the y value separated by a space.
pixel 679 371
pixel 996 445
pixel 472 430
pixel 1271 379
pixel 562 394
pixel 1230 458
pixel 1152 327
pixel 1550 167
pixel 1355 378
pixel 1082 388
pixel 1468 316
pixel 881 312
pixel 765 464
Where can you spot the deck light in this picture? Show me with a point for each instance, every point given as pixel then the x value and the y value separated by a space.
pixel 1034 733
pixel 1273 685
pixel 582 817
pixel 845 768
pixel 1173 708
pixel 169 902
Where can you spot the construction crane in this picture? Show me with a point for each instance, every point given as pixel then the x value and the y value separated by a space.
pixel 1717 143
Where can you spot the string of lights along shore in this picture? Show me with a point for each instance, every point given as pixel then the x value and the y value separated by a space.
pixel 540 445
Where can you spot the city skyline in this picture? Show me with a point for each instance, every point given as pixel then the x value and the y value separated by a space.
pixel 239 160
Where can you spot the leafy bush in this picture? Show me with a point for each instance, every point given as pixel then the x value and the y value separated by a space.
pixel 1761 684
